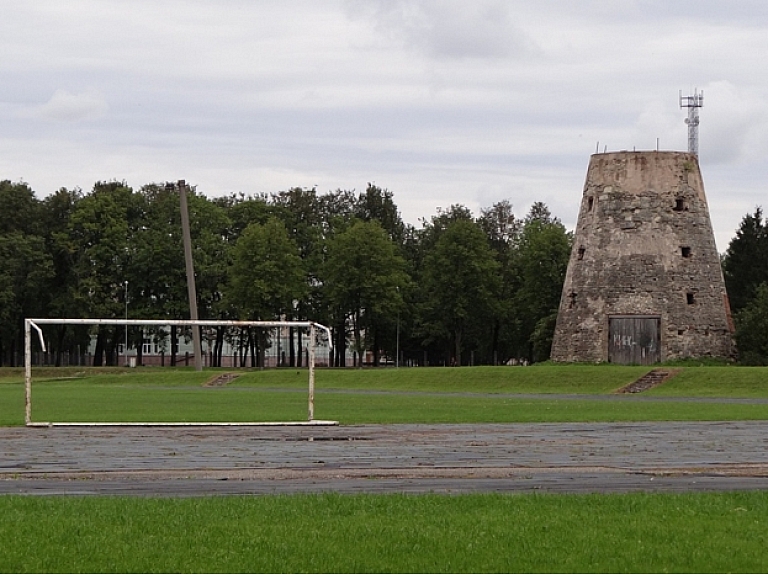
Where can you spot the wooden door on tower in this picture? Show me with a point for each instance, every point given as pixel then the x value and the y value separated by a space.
pixel 634 339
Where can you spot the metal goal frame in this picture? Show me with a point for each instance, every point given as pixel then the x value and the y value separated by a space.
pixel 35 324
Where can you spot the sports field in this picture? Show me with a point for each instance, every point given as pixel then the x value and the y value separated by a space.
pixel 490 532
pixel 545 393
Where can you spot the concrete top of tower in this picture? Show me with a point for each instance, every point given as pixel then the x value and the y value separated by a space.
pixel 639 172
pixel 630 153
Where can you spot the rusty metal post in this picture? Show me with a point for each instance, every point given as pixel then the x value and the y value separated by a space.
pixel 311 358
pixel 27 374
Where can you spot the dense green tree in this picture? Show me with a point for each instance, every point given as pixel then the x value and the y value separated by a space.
pixel 745 264
pixel 244 210
pixel 432 230
pixel 460 284
pixel 20 209
pixel 157 284
pixel 422 345
pixel 266 277
pixel 337 211
pixel 210 240
pixel 542 261
pixel 752 328
pixel 503 230
pixel 302 211
pixel 25 272
pixel 37 268
pixel 57 210
pixel 378 204
pixel 101 230
pixel 363 277
pixel 157 280
pixel 501 226
pixel 157 269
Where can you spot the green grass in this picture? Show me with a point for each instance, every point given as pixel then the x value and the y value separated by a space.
pixel 357 409
pixel 66 403
pixel 534 379
pixel 747 382
pixel 720 532
pixel 110 375
pixel 696 532
pixel 357 396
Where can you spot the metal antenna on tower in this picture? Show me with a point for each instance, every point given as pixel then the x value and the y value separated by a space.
pixel 693 103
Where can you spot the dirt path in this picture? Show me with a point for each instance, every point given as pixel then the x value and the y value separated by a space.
pixel 603 457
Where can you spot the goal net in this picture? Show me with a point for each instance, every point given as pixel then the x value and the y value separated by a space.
pixel 143 402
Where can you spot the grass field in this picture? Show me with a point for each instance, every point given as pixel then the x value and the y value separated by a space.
pixel 722 532
pixel 694 532
pixel 357 396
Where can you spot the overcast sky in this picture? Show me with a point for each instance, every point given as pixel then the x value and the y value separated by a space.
pixel 440 102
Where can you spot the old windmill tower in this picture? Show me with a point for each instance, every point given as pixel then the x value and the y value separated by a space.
pixel 644 282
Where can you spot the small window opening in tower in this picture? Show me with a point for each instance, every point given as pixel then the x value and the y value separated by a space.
pixel 590 204
pixel 572 301
pixel 685 251
pixel 581 253
pixel 680 205
pixel 689 298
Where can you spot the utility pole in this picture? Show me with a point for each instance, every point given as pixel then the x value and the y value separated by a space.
pixel 191 291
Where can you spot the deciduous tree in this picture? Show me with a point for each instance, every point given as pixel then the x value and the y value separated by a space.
pixel 544 250
pixel 101 231
pixel 267 276
pixel 25 272
pixel 460 284
pixel 363 275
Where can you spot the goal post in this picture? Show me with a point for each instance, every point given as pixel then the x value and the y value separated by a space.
pixel 35 323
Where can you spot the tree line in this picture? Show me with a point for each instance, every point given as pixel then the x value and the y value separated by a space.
pixel 454 289
pixel 745 268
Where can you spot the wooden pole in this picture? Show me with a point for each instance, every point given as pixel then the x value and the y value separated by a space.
pixel 191 291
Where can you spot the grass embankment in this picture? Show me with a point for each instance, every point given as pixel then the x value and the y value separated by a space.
pixel 746 382
pixel 356 396
pixel 722 532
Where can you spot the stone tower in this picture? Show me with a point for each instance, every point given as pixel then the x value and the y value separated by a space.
pixel 644 282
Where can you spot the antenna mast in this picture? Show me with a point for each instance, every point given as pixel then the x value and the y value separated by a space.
pixel 693 103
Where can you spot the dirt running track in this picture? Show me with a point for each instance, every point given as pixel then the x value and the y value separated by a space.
pixel 572 458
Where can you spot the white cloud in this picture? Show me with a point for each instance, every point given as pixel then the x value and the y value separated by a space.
pixel 450 29
pixel 659 118
pixel 68 107
pixel 734 123
pixel 440 101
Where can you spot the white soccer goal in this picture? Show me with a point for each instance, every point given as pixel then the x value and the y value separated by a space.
pixel 35 324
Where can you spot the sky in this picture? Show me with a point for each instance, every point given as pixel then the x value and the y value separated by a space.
pixel 439 101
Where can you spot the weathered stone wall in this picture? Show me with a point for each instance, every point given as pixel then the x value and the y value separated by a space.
pixel 644 245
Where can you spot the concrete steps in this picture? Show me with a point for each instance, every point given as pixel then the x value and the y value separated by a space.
pixel 649 380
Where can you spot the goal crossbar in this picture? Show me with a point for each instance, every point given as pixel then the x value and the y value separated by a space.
pixel 35 324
